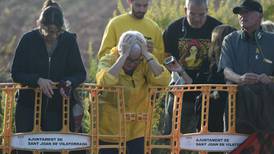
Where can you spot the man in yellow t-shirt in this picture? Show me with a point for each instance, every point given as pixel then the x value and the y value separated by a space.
pixel 133 20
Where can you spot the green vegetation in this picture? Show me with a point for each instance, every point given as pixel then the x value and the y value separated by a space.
pixel 163 12
pixel 6 52
pixel 1 113
pixel 92 63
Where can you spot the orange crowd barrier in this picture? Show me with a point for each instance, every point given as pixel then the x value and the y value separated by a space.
pixel 66 141
pixel 202 141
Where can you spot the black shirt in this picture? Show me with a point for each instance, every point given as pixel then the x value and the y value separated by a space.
pixel 190 46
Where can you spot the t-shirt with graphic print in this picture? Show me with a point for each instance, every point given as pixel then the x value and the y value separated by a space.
pixel 190 46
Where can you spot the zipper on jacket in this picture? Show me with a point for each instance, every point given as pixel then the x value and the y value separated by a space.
pixel 49 58
pixel 49 65
pixel 47 101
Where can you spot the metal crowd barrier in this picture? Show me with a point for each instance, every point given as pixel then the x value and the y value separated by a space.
pixel 65 141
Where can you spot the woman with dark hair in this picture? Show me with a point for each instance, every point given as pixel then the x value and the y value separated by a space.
pixel 217 36
pixel 45 56
pixel 51 3
pixel 217 99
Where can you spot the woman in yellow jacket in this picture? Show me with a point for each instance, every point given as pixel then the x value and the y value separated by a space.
pixel 131 66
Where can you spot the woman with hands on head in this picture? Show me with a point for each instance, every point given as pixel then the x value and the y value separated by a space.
pixel 132 50
pixel 132 66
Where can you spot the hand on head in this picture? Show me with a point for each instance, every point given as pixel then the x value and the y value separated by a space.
pixel 130 40
pixel 150 44
pixel 126 45
pixel 143 45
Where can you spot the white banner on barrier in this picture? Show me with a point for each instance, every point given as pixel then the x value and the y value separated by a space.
pixel 211 141
pixel 50 141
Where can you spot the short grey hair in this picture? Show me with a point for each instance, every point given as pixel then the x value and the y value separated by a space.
pixel 197 2
pixel 268 26
pixel 135 35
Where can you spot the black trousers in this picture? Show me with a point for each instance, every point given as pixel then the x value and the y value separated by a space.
pixel 135 146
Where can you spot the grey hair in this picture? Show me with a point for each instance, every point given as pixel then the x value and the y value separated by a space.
pixel 135 35
pixel 268 26
pixel 197 2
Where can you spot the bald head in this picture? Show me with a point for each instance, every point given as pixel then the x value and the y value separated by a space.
pixel 196 12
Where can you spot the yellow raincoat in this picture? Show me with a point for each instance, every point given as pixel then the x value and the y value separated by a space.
pixel 135 93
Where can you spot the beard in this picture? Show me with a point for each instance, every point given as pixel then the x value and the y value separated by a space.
pixel 138 15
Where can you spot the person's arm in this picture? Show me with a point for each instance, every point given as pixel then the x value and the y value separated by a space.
pixel 154 66
pixel 247 78
pixel 231 75
pixel 108 41
pixel 158 45
pixel 103 77
pixel 20 72
pixel 162 79
pixel 226 63
pixel 185 76
pixel 174 66
pixel 19 68
pixel 117 66
pixel 157 74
